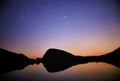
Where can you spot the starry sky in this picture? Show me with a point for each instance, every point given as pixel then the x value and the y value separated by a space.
pixel 81 27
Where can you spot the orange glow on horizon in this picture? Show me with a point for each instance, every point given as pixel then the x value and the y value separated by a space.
pixel 81 52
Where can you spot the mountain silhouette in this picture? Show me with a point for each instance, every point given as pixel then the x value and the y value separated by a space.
pixel 56 60
pixel 112 57
pixel 10 61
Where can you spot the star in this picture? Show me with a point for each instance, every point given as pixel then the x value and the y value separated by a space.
pixel 64 17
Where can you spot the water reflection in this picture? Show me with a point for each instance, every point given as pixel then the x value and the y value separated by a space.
pixel 92 71
pixel 82 72
pixel 55 66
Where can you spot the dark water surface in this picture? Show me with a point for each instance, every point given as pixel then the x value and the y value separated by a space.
pixel 82 72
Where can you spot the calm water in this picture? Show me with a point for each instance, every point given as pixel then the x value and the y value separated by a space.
pixel 82 72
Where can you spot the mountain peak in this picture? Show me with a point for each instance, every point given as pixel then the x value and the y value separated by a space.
pixel 52 52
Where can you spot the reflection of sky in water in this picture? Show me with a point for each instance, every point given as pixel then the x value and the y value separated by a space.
pixel 83 72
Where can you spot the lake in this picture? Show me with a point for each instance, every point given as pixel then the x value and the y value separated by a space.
pixel 82 72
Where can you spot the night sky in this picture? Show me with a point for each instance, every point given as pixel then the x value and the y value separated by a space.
pixel 81 27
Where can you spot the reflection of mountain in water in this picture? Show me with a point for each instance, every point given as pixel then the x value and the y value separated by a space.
pixel 56 60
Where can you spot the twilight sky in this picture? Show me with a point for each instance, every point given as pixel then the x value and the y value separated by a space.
pixel 82 27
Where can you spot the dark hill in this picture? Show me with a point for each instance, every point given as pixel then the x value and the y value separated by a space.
pixel 10 61
pixel 112 57
pixel 113 54
pixel 56 60
pixel 56 53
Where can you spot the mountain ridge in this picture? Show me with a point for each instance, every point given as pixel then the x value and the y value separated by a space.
pixel 54 60
pixel 60 59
